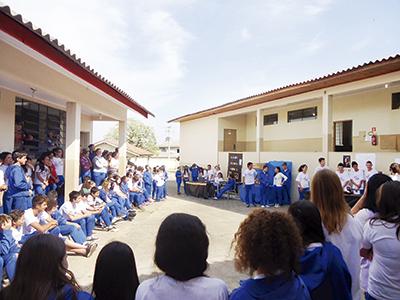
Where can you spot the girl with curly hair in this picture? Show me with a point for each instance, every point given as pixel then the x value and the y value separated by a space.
pixel 268 246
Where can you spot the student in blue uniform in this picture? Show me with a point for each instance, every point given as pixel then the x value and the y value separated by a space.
pixel 154 184
pixel 178 179
pixel 42 273
pixel 274 262
pixel 287 184
pixel 229 186
pixel 194 170
pixel 148 180
pixel 323 269
pixel 8 246
pixel 165 187
pixel 266 182
pixel 19 193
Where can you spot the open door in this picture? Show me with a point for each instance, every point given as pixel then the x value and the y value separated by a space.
pixel 230 140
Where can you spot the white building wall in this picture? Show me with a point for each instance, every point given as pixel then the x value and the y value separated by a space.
pixel 7 120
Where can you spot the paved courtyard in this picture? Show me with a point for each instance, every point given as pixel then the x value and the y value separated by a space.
pixel 221 218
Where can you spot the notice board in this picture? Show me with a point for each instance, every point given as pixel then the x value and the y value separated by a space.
pixel 235 163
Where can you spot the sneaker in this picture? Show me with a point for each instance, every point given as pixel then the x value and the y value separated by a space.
pixel 91 238
pixel 267 206
pixel 248 205
pixel 215 198
pixel 262 206
pixel 277 205
pixel 90 249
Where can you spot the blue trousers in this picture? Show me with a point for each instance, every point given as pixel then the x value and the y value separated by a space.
pixel 248 189
pixel 369 297
pixel 164 190
pixel 9 262
pixel 267 195
pixel 87 225
pixel 76 234
pixel 154 190
pixel 105 216
pixel 159 193
pixel 278 195
pixel 137 198
pixel 40 191
pixel 303 193
pixel 184 185
pixel 21 202
pixel 147 187
pixel 99 177
pixel 178 186
pixel 286 193
pixel 223 190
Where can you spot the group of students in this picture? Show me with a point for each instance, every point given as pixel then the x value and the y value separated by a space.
pixel 319 249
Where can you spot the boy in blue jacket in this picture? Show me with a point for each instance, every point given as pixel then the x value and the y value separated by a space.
pixel 266 181
pixel 9 248
pixel 194 170
pixel 178 178
pixel 230 185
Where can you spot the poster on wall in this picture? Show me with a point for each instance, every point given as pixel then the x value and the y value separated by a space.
pixel 362 158
pixel 235 163
pixel 347 161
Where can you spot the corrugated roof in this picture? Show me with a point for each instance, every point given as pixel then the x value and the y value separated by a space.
pixel 360 72
pixel 5 11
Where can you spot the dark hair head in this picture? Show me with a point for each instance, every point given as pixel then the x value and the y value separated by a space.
pixel 278 168
pixel 94 190
pixel 321 159
pixel 308 219
pixel 368 162
pixel 389 204
pixel 40 271
pixel 182 247
pixel 340 165
pixel 55 150
pixel 52 195
pixel 51 203
pixel 284 164
pixel 249 164
pixel 374 183
pixel 394 168
pixel 115 275
pixel 301 168
pixel 18 155
pixel 38 200
pixel 4 154
pixel 267 242
pixel 73 195
pixel 16 214
pixel 354 163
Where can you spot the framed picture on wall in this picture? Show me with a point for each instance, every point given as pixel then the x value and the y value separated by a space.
pixel 347 161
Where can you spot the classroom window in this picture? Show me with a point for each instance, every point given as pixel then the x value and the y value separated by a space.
pixel 396 101
pixel 310 113
pixel 343 136
pixel 38 128
pixel 271 119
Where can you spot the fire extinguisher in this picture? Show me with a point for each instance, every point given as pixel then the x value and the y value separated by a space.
pixel 374 139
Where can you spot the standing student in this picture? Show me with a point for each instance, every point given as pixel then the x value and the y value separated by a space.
pixel 303 182
pixel 19 194
pixel 381 245
pixel 286 184
pixel 344 177
pixel 9 248
pixel 340 228
pixel 357 178
pixel 58 163
pixel 249 178
pixel 274 263
pixel 159 179
pixel 322 165
pixel 181 254
pixel 186 178
pixel 266 182
pixel 100 166
pixel 115 275
pixel 6 161
pixel 279 180
pixel 148 179
pixel 42 175
pixel 42 273
pixel 85 165
pixel 370 170
pixel 323 269
pixel 194 170
pixel 165 186
pixel 178 179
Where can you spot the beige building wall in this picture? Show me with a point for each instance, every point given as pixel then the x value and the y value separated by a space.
pixel 7 120
pixel 200 140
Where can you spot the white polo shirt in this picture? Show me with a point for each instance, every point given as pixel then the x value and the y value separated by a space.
pixel 249 176
pixel 303 179
pixel 344 177
pixel 29 218
pixel 357 176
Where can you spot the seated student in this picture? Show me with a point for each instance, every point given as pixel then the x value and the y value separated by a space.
pixel 9 248
pixel 100 209
pixel 279 180
pixel 303 182
pixel 230 185
pixel 72 212
pixel 344 177
pixel 42 273
pixel 86 186
pixel 122 198
pixel 136 196
pixel 218 180
pixel 323 269
pixel 115 258
pixel 42 174
pixel 381 245
pixel 109 200
pixel 274 262
pixel 395 171
pixel 17 222
pixel 357 179
pixel 181 253
pixel 66 228
pixel 370 171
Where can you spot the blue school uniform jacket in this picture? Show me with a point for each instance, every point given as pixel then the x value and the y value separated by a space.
pixel 68 292
pixel 195 172
pixel 230 184
pixel 265 179
pixel 17 184
pixel 278 288
pixel 147 178
pixel 325 273
pixel 178 176
pixel 124 188
pixel 7 243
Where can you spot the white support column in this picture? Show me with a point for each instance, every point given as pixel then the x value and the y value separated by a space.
pixel 122 145
pixel 72 147
pixel 259 138
pixel 327 126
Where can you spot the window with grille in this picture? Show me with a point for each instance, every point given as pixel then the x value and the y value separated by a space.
pixel 310 113
pixel 343 136
pixel 271 119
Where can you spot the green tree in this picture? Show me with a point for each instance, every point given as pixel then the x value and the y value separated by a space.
pixel 139 135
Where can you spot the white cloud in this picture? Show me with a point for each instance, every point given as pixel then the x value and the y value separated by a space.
pixel 245 34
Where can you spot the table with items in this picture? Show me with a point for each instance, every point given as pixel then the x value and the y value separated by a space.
pixel 200 189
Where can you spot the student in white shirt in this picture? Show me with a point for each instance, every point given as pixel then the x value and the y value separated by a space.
pixel 370 171
pixel 340 228
pixel 357 179
pixel 58 163
pixel 17 217
pixel 395 171
pixel 344 177
pixel 181 253
pixel 322 165
pixel 381 244
pixel 42 175
pixel 279 180
pixel 303 182
pixel 100 166
pixel 249 179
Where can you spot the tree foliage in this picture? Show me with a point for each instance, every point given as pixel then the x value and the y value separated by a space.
pixel 139 135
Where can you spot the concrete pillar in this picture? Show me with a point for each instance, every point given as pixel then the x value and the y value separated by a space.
pixel 7 120
pixel 72 147
pixel 259 136
pixel 122 146
pixel 327 125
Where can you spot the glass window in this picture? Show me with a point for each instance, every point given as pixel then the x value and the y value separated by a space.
pixel 343 139
pixel 271 119
pixel 38 128
pixel 396 101
pixel 310 113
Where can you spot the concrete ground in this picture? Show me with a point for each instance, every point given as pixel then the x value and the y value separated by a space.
pixel 221 218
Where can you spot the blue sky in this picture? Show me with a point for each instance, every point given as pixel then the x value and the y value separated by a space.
pixel 179 56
